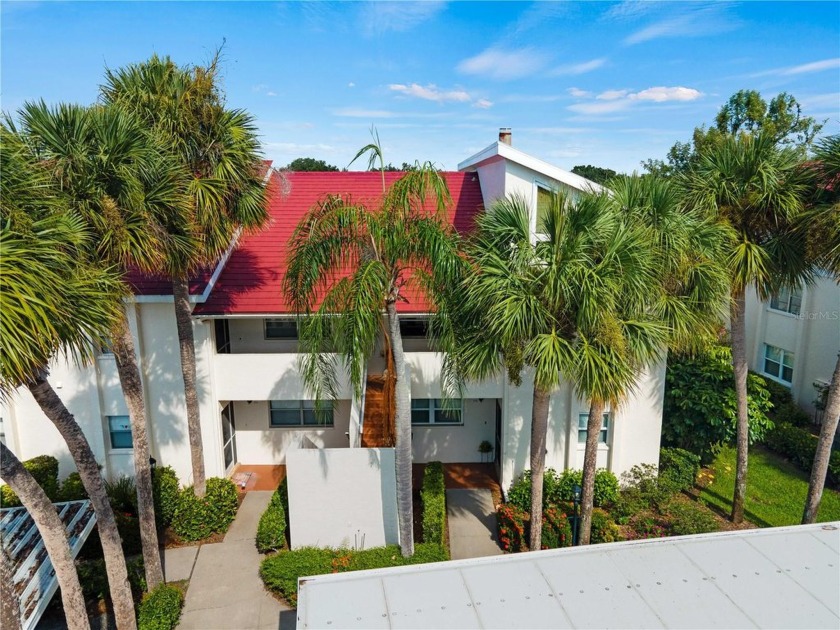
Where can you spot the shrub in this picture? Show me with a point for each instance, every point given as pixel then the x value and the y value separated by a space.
pixel 271 530
pixel 791 413
pixel 94 579
pixel 511 520
pixel 800 446
pixel 433 495
pixel 700 407
pixel 686 518
pixel 195 518
pixel 604 529
pixel 122 495
pixel 556 529
pixel 560 488
pixel 45 470
pixel 644 525
pixel 129 528
pixel 643 490
pixel 678 467
pixel 166 492
pixel 72 489
pixel 160 608
pixel 280 572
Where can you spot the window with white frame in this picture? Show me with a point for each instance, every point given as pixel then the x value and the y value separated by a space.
pixel 787 300
pixel 119 430
pixel 300 413
pixel 436 411
pixel 414 327
pixel 778 363
pixel 583 430
pixel 281 329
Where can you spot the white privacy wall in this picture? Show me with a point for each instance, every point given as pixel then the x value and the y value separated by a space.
pixel 342 497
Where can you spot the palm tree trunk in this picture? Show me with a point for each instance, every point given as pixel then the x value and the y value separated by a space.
pixel 9 603
pixel 739 365
pixel 539 432
pixel 590 463
pixel 831 417
pixel 132 386
pixel 85 461
pixel 54 535
pixel 402 403
pixel 186 341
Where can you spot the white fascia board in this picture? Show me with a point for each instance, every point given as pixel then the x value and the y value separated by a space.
pixel 507 152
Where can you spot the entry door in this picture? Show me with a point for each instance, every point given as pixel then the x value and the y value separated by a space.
pixel 228 436
pixel 498 449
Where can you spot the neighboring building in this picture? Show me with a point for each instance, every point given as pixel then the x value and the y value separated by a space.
pixel 253 403
pixel 794 339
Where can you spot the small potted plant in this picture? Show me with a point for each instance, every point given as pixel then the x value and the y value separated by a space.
pixel 485 448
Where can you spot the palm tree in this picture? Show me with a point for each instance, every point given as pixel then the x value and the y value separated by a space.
pixel 565 306
pixel 54 301
pixel 49 525
pixel 823 222
pixel 219 149
pixel 755 190
pixel 118 181
pixel 359 259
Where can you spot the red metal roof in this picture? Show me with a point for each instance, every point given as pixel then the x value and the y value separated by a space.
pixel 251 282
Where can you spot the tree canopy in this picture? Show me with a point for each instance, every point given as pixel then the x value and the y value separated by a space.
pixel 595 174
pixel 308 164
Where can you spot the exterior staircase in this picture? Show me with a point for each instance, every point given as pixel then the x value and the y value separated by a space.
pixel 377 429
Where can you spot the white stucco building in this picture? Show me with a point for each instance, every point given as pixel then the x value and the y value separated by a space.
pixel 253 403
pixel 794 338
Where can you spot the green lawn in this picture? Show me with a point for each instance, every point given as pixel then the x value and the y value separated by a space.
pixel 776 489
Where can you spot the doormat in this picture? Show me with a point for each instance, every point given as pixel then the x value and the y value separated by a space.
pixel 241 479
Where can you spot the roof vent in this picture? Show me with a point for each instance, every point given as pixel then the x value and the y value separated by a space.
pixel 506 136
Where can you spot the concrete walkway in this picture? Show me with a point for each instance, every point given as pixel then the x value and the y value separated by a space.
pixel 225 590
pixel 472 523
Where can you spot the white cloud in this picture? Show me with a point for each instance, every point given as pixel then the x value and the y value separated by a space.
pixel 503 65
pixel 380 17
pixel 687 19
pixel 579 68
pixel 611 95
pixel 270 93
pixel 630 9
pixel 805 68
pixel 351 85
pixel 611 101
pixel 663 94
pixel 430 92
pixel 483 103
pixel 353 112
pixel 578 93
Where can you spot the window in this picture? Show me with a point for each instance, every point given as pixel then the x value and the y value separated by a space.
pixel 789 301
pixel 297 413
pixel 543 204
pixel 583 420
pixel 436 411
pixel 778 363
pixel 414 327
pixel 119 428
pixel 281 329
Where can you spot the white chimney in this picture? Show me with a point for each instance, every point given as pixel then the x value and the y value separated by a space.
pixel 505 136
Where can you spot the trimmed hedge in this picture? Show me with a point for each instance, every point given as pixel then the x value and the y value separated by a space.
pixel 280 572
pixel 558 488
pixel 799 446
pixel 45 470
pixel 433 495
pixel 678 467
pixel 166 490
pixel 160 608
pixel 195 518
pixel 271 530
pixel 515 530
pixel 556 529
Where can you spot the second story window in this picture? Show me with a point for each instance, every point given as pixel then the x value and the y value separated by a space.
pixel 414 327
pixel 583 428
pixel 787 300
pixel 299 413
pixel 119 429
pixel 281 329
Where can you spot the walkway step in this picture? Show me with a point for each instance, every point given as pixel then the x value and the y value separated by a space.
pixel 472 523
pixel 244 527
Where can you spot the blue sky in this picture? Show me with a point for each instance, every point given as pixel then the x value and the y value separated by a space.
pixel 609 84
